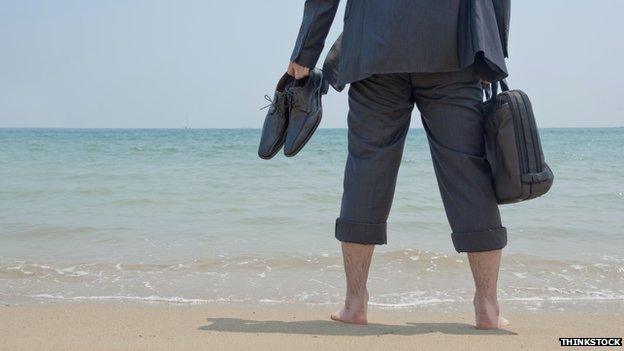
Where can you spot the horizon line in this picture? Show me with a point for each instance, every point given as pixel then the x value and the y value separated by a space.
pixel 254 128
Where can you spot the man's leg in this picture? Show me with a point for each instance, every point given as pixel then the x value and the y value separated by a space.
pixel 379 114
pixel 356 259
pixel 451 109
pixel 484 266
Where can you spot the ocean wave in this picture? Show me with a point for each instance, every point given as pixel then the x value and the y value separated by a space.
pixel 441 278
pixel 423 302
pixel 412 261
pixel 151 298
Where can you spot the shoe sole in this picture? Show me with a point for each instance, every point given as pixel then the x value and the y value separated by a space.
pixel 322 91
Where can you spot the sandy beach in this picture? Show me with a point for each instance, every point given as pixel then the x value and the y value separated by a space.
pixel 108 326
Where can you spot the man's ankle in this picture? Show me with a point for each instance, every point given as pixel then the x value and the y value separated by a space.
pixel 356 298
pixel 486 304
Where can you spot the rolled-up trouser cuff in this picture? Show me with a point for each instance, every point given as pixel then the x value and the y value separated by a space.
pixel 362 233
pixel 484 240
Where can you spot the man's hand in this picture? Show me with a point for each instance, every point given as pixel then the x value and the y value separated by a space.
pixel 297 71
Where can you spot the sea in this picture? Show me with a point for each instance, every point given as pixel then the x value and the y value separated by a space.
pixel 194 216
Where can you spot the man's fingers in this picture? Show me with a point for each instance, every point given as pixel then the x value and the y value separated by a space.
pixel 297 71
pixel 301 72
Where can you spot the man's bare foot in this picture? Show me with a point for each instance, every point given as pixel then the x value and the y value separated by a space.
pixel 353 312
pixel 487 314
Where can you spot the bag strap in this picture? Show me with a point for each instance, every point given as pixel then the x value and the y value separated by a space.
pixel 503 85
pixel 487 89
pixel 491 90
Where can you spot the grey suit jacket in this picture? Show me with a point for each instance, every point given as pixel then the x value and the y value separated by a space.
pixel 391 36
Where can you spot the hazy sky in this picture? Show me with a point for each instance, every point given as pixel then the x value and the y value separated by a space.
pixel 154 63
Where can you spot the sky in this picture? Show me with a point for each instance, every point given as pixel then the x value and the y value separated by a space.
pixel 209 63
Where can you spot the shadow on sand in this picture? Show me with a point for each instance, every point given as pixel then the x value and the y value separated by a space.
pixel 320 327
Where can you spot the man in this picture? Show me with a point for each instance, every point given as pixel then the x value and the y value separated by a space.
pixel 433 54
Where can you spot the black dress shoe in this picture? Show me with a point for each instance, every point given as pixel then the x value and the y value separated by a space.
pixel 276 120
pixel 305 111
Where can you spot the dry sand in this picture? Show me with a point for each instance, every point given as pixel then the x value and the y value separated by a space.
pixel 104 326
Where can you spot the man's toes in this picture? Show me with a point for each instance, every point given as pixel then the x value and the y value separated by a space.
pixel 503 322
pixel 337 316
pixel 346 318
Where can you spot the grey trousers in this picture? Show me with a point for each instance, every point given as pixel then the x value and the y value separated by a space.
pixel 380 109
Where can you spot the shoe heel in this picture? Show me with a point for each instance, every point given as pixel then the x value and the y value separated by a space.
pixel 324 86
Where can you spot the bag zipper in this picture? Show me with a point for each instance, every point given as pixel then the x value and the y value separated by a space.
pixel 536 141
pixel 520 142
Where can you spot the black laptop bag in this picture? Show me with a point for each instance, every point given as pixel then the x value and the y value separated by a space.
pixel 513 147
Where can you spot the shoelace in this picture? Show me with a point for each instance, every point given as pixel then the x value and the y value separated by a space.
pixel 272 103
pixel 277 105
pixel 293 99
